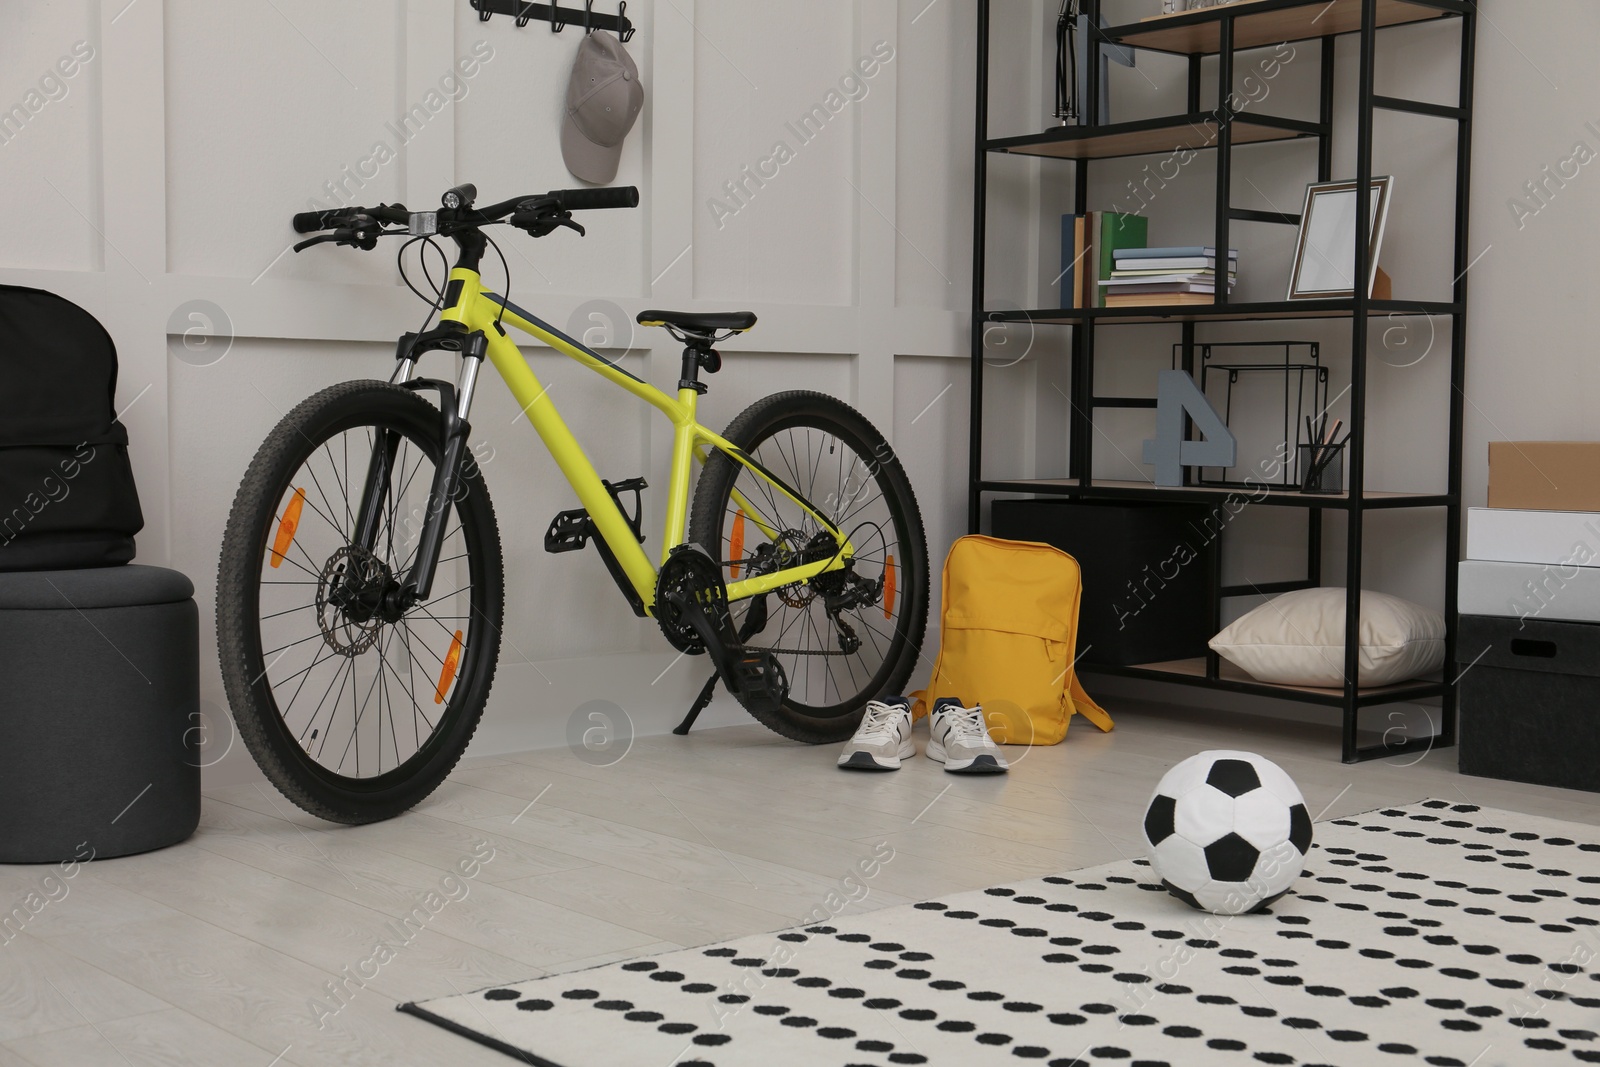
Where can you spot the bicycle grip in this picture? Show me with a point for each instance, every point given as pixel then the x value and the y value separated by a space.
pixel 311 221
pixel 589 199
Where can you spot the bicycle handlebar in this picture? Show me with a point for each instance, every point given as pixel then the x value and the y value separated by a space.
pixel 560 199
pixel 590 199
pixel 311 221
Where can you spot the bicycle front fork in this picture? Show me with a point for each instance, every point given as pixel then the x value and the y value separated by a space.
pixel 455 403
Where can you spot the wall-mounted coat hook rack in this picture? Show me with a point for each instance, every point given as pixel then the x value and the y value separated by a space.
pixel 558 17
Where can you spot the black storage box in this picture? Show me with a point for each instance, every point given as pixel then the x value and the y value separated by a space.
pixel 1528 699
pixel 1146 573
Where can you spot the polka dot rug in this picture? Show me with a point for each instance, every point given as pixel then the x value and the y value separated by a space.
pixel 1439 933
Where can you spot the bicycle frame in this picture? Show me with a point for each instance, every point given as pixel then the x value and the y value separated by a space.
pixel 476 311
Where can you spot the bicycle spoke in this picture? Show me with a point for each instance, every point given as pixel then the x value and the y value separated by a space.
pixel 353 671
pixel 289 611
pixel 340 677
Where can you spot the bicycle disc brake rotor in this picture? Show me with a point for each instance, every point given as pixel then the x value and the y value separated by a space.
pixel 797 595
pixel 349 593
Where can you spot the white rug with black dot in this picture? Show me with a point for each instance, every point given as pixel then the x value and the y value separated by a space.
pixel 1438 933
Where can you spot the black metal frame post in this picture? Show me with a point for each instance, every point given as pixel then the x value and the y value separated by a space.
pixel 1080 404
pixel 1083 332
pixel 1355 515
pixel 980 219
pixel 1458 374
pixel 1224 115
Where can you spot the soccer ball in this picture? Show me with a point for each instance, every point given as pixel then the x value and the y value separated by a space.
pixel 1227 832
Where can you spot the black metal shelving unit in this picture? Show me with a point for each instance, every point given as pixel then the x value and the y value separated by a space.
pixel 1221 32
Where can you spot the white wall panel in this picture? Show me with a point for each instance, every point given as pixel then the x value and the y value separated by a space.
pixel 937 69
pixel 771 95
pixel 278 108
pixel 49 136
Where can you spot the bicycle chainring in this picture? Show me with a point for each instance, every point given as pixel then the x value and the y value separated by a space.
pixel 689 575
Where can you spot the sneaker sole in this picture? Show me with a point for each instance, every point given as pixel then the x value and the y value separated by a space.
pixel 866 761
pixel 979 764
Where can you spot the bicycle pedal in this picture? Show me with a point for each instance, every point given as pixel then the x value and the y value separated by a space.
pixel 569 531
pixel 762 686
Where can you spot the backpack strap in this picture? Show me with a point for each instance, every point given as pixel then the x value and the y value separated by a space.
pixel 1084 705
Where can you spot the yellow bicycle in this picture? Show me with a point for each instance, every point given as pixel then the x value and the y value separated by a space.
pixel 360 591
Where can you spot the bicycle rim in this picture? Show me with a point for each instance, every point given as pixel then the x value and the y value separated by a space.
pixel 836 475
pixel 366 700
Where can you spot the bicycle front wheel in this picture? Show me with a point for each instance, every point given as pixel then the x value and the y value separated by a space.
pixel 844 638
pixel 356 709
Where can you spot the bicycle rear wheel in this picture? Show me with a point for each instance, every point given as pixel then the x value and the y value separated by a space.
pixel 355 710
pixel 836 460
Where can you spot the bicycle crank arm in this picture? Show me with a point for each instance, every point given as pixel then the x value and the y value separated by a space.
pixel 692 606
pixel 753 676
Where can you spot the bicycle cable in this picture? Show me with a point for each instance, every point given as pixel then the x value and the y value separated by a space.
pixel 505 268
pixel 435 304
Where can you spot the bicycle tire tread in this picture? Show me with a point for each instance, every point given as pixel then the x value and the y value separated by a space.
pixel 706 511
pixel 239 552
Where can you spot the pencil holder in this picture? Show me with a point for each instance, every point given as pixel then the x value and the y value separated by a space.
pixel 1321 468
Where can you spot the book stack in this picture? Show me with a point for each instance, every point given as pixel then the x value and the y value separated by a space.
pixel 1089 244
pixel 1144 277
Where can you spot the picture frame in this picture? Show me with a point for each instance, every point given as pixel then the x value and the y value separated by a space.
pixel 1324 250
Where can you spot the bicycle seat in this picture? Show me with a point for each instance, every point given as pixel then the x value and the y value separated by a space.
pixel 700 322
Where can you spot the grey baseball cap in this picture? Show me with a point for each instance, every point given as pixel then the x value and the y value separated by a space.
pixel 604 99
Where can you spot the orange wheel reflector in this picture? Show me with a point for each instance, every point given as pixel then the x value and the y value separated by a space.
pixel 888 588
pixel 447 674
pixel 736 544
pixel 287 527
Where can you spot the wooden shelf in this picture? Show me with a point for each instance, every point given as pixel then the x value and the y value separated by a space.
pixel 1230 312
pixel 1259 23
pixel 1193 672
pixel 1150 136
pixel 1121 489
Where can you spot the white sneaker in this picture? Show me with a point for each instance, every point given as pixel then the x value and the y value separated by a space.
pixel 883 739
pixel 959 739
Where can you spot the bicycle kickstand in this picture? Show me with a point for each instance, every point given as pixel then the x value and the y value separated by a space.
pixel 754 623
pixel 701 702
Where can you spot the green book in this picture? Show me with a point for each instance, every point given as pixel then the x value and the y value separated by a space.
pixel 1114 230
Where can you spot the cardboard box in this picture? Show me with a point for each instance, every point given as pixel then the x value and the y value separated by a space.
pixel 1545 475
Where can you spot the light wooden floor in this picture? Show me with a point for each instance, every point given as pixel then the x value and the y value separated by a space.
pixel 215 952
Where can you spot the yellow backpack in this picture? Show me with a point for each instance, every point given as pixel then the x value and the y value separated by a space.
pixel 1008 639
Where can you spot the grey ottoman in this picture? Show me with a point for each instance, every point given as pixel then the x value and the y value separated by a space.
pixel 99 705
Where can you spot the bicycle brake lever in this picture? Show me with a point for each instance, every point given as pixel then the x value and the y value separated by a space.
pixel 363 233
pixel 541 223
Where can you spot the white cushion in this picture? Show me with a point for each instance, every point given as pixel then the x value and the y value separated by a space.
pixel 1298 639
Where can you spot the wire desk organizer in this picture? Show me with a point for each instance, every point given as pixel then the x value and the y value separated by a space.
pixel 1305 393
pixel 559 17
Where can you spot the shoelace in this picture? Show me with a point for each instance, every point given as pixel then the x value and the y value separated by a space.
pixel 966 724
pixel 878 723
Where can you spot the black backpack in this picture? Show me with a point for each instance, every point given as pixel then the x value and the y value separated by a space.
pixel 67 497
